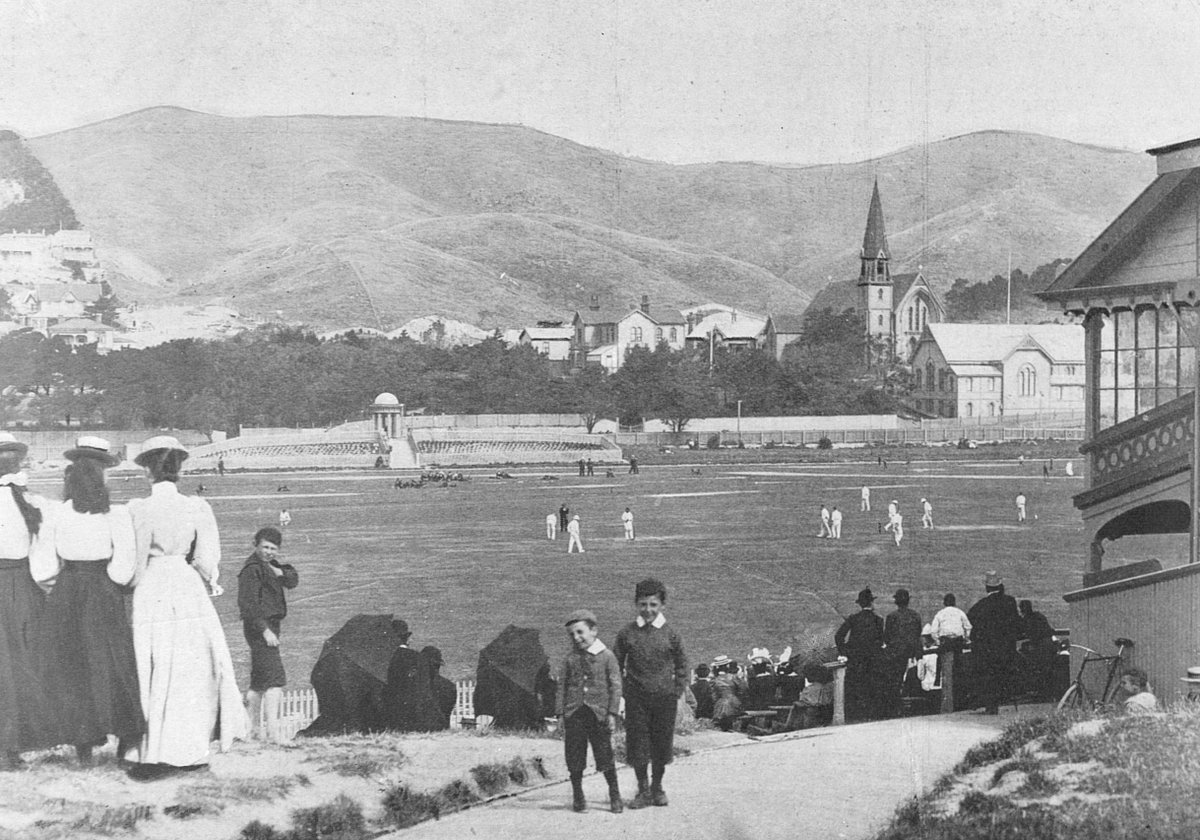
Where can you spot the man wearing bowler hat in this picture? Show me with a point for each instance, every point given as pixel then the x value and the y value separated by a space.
pixel 902 642
pixel 860 641
pixel 995 629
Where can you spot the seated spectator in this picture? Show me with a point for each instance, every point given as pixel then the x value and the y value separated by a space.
pixel 761 680
pixel 444 691
pixel 408 695
pixel 1141 701
pixel 728 686
pixel 702 691
pixel 815 705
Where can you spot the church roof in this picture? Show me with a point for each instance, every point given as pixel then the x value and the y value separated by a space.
pixel 901 284
pixel 875 238
pixel 990 343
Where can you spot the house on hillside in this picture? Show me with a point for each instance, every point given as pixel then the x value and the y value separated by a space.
pixel 998 370
pixel 61 301
pixel 82 331
pixel 894 309
pixel 552 342
pixel 781 331
pixel 604 335
pixel 1137 289
pixel 39 257
pixel 727 328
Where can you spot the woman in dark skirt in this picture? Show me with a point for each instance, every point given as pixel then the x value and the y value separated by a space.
pixel 91 672
pixel 22 701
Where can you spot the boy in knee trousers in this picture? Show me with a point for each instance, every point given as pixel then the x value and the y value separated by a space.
pixel 261 601
pixel 588 700
pixel 655 673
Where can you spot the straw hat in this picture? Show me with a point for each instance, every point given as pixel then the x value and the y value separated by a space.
pixel 8 443
pixel 1193 675
pixel 759 655
pixel 721 661
pixel 91 446
pixel 156 443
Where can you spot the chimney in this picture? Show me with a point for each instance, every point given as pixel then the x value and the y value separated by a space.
pixel 594 303
pixel 646 304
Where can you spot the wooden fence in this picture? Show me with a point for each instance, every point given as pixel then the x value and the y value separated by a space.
pixel 299 708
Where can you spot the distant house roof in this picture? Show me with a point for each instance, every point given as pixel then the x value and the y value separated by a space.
pixel 735 325
pixel 991 343
pixel 549 333
pixel 601 315
pixel 788 324
pixel 975 370
pixel 79 325
pixel 55 292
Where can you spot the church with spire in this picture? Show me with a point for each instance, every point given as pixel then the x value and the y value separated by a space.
pixel 894 308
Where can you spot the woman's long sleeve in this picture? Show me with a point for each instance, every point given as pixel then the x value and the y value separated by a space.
pixel 123 566
pixel 44 564
pixel 207 559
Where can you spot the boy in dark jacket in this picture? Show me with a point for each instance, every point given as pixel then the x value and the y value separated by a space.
pixel 587 703
pixel 261 601
pixel 655 673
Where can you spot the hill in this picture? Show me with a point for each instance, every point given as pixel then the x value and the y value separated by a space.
pixel 374 220
pixel 29 196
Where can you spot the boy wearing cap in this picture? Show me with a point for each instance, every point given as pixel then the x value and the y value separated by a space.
pixel 655 672
pixel 586 703
pixel 263 605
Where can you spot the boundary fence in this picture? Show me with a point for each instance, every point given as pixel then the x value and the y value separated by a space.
pixel 299 708
pixel 850 437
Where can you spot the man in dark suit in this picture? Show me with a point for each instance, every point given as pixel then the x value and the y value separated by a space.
pixel 409 693
pixel 902 642
pixel 995 629
pixel 860 640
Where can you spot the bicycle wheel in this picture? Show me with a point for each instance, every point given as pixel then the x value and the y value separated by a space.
pixel 1073 699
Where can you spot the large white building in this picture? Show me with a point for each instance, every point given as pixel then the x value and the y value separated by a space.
pixel 998 370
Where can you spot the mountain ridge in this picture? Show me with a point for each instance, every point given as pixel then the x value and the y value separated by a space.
pixel 239 208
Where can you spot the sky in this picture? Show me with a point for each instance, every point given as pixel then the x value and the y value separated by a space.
pixel 799 82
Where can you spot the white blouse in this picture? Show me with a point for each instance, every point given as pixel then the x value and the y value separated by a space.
pixel 67 534
pixel 165 524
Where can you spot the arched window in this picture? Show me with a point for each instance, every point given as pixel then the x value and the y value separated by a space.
pixel 942 380
pixel 674 335
pixel 1027 381
pixel 879 267
pixel 658 335
pixel 929 375
pixel 880 320
pixel 991 409
pixel 970 409
pixel 910 319
pixel 881 294
pixel 917 379
pixel 635 334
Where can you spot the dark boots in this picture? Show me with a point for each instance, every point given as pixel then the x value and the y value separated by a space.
pixel 614 791
pixel 579 804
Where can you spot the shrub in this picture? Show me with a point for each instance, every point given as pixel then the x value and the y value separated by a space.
pixel 341 819
pixel 457 794
pixel 406 807
pixel 713 442
pixel 258 830
pixel 825 443
pixel 491 778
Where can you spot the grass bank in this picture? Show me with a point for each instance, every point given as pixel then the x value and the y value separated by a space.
pixel 1068 778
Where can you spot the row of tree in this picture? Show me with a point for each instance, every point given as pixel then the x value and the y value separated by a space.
pixel 282 376
pixel 970 301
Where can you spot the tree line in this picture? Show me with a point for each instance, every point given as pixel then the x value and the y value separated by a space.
pixel 286 376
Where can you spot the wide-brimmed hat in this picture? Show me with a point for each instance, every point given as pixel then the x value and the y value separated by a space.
pixel 993 579
pixel 1193 675
pixel 156 443
pixel 865 598
pixel 8 443
pixel 91 446
pixel 721 661
pixel 759 655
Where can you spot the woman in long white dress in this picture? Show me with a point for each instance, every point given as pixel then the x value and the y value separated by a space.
pixel 188 689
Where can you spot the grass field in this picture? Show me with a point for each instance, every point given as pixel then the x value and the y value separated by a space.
pixel 736 547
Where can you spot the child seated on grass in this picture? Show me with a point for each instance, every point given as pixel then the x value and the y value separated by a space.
pixel 1141 700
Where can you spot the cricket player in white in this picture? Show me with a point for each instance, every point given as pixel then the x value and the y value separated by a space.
pixel 896 526
pixel 927 516
pixel 835 522
pixel 1020 507
pixel 826 531
pixel 552 526
pixel 573 532
pixel 627 521
pixel 866 498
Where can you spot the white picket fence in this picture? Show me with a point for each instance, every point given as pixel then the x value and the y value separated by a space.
pixel 299 708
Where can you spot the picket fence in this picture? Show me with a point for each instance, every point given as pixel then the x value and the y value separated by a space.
pixel 299 708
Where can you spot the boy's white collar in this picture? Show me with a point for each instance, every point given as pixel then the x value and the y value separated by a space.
pixel 596 646
pixel 659 621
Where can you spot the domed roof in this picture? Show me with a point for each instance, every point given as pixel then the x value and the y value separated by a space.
pixel 386 399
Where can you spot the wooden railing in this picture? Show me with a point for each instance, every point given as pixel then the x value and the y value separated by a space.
pixel 299 708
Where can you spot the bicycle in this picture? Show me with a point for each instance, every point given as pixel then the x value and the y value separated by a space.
pixel 1077 696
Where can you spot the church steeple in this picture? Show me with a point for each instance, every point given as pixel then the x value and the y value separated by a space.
pixel 875 255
